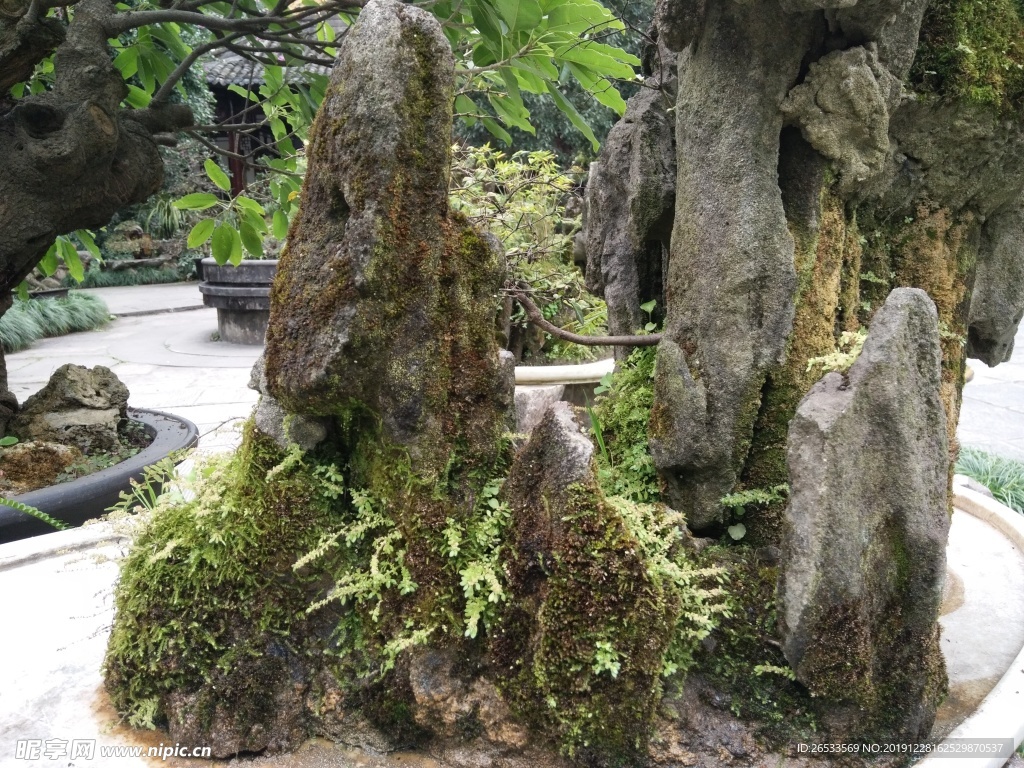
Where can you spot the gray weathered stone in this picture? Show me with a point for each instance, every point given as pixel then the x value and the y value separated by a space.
pixel 891 24
pixel 630 202
pixel 956 156
pixel 384 299
pixel 842 109
pixel 803 6
pixel 78 406
pixel 678 21
pixel 731 280
pixel 532 403
pixel 997 303
pixel 271 419
pixel 557 456
pixel 865 534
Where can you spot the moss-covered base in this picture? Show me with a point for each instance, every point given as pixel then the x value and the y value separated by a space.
pixel 208 605
pixel 743 661
pixel 826 254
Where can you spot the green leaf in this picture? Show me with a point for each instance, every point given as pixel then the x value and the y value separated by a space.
pixel 529 78
pixel 223 240
pixel 249 204
pixel 49 261
pixel 484 54
pixel 217 175
pixel 648 306
pixel 595 57
pixel 254 220
pixel 580 16
pixel 278 128
pixel 737 531
pixel 496 130
pixel 574 117
pixel 540 65
pixel 69 254
pixel 85 236
pixel 197 201
pixel 236 247
pixel 8 440
pixel 519 14
pixel 486 20
pixel 601 88
pixel 137 97
pixel 251 239
pixel 467 109
pixel 245 93
pixel 509 114
pixel 200 233
pixel 508 76
pixel 280 225
pixel 127 61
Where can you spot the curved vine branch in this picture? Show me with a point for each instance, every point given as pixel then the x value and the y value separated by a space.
pixel 537 318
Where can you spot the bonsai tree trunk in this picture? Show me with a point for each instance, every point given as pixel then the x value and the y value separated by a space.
pixel 73 155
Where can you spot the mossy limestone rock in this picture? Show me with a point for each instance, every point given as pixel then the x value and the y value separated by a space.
pixel 730 281
pixel 997 303
pixel 842 108
pixel 865 536
pixel 630 202
pixel 579 647
pixel 384 299
pixel 78 406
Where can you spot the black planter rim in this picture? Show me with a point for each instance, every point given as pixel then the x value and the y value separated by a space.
pixel 89 497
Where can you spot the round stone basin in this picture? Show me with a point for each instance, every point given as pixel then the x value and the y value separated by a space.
pixel 57 605
pixel 242 297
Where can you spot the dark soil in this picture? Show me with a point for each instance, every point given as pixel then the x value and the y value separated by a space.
pixel 46 463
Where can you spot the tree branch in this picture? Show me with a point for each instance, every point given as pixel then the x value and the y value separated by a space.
pixel 179 72
pixel 537 318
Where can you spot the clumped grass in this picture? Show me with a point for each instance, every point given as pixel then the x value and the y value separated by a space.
pixel 28 321
pixel 1004 477
pixel 97 278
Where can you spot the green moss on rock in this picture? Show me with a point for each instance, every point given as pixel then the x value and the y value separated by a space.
pixel 208 590
pixel 821 255
pixel 973 50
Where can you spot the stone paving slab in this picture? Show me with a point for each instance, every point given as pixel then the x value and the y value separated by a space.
pixel 969 598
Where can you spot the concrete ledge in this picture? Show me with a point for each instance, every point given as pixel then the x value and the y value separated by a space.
pixel 1001 713
pixel 586 373
pixel 15 554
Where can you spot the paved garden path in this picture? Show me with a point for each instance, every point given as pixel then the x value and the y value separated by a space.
pixel 166 358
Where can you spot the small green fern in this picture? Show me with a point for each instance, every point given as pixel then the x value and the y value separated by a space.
pixel 38 514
